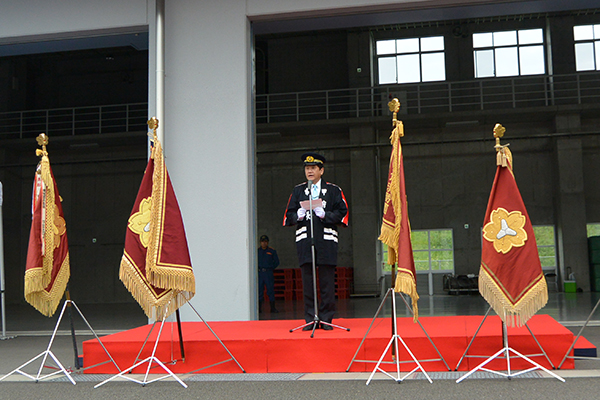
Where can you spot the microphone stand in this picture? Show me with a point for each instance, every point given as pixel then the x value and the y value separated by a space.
pixel 316 320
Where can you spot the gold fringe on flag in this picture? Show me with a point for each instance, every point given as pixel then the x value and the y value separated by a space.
pixel 163 277
pixel 519 313
pixel 48 216
pixel 43 301
pixel 154 306
pixel 405 283
pixel 390 232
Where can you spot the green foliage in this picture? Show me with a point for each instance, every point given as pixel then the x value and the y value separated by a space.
pixel 593 230
pixel 544 235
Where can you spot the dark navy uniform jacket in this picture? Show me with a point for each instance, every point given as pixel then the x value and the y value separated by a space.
pixel 325 230
pixel 267 258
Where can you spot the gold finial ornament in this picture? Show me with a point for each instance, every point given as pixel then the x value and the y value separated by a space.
pixel 42 140
pixel 499 130
pixel 394 106
pixel 153 124
pixel 503 154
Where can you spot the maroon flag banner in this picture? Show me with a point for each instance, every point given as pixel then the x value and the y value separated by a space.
pixel 156 266
pixel 395 226
pixel 511 277
pixel 47 270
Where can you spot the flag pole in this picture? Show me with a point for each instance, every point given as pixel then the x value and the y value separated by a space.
pixel 394 107
pixel 153 124
pixel 393 315
pixel 180 335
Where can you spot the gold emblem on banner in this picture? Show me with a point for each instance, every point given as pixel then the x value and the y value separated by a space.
pixel 60 226
pixel 139 222
pixel 505 230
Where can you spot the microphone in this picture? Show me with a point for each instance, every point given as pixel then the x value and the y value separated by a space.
pixel 310 183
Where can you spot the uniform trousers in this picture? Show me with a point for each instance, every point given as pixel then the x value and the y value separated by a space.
pixel 266 278
pixel 326 284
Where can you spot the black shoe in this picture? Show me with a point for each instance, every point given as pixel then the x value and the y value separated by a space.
pixel 326 327
pixel 308 327
pixel 273 309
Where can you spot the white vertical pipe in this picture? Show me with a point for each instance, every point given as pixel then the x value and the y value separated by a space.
pixel 160 68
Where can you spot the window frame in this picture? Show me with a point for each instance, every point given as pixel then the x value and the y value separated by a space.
pixel 387 269
pixel 553 268
pixel 594 41
pixel 419 52
pixel 518 47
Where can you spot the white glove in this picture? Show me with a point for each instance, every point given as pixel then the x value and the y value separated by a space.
pixel 301 214
pixel 320 212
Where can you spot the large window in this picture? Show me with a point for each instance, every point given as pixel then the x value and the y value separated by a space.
pixel 587 47
pixel 411 60
pixel 546 244
pixel 509 53
pixel 433 250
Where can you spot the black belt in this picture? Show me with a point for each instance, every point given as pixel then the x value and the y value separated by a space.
pixel 264 269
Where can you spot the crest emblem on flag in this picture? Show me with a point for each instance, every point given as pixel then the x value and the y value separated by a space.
pixel 505 230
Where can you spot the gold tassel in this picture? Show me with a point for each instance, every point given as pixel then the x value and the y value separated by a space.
pixel 406 284
pixel 390 236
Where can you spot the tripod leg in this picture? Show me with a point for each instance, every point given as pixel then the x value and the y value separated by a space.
pixel 473 338
pixel 579 333
pixel 70 313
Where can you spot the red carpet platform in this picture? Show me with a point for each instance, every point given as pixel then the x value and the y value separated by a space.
pixel 268 346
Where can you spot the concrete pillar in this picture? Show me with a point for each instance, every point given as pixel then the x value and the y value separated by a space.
pixel 364 211
pixel 571 216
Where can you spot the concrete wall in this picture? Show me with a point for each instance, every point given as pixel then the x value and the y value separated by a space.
pixel 209 150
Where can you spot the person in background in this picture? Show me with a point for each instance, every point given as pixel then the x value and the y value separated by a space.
pixel 267 262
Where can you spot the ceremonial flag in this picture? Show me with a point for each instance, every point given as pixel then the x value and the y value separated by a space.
pixel 395 227
pixel 47 270
pixel 510 278
pixel 156 266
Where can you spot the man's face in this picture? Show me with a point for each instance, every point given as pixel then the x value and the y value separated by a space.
pixel 313 172
pixel 264 244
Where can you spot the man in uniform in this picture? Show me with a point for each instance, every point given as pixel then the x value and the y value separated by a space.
pixel 267 262
pixel 329 210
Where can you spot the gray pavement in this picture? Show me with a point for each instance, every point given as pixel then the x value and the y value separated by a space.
pixel 581 383
pixel 521 388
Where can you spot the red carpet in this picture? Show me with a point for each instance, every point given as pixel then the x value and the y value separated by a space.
pixel 268 346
